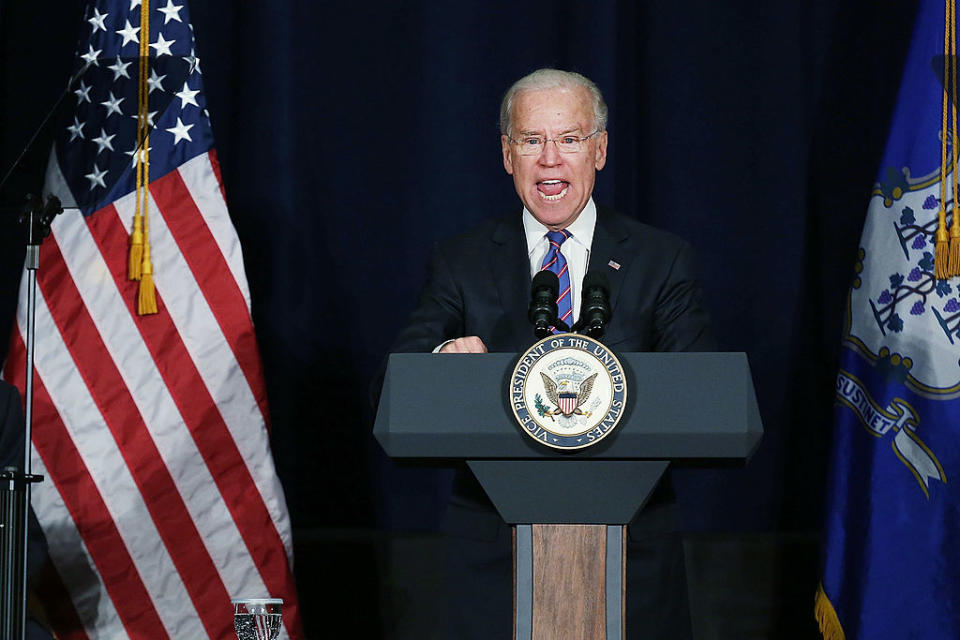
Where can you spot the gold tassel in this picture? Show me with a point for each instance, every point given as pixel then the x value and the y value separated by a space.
pixel 826 616
pixel 147 298
pixel 941 260
pixel 136 251
pixel 953 267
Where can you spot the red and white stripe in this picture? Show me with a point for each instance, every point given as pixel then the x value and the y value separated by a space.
pixel 162 501
pixel 568 404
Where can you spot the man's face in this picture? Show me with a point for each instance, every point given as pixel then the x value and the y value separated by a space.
pixel 554 186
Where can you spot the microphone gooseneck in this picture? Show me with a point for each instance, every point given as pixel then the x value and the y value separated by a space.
pixel 543 302
pixel 595 310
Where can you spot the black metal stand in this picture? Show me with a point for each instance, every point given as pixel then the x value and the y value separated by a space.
pixel 14 506
pixel 15 495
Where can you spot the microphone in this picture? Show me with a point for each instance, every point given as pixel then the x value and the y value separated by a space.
pixel 595 309
pixel 543 302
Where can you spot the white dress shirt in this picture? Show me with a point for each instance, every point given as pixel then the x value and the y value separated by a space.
pixel 575 249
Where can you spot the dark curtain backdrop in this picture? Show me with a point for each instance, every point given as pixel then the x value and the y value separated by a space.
pixel 353 136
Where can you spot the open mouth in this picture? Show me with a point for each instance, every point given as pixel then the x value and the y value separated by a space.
pixel 552 190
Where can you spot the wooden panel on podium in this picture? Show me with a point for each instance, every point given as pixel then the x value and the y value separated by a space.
pixel 569 581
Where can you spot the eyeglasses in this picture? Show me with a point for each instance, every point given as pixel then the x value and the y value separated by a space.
pixel 534 145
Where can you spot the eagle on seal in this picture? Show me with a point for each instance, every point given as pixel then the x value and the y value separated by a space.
pixel 567 399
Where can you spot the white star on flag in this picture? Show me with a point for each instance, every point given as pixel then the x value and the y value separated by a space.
pixel 97 21
pixel 194 63
pixel 154 81
pixel 134 3
pixel 76 130
pixel 181 132
pixel 149 118
pixel 91 56
pixel 171 12
pixel 129 33
pixel 112 105
pixel 187 97
pixel 103 141
pixel 83 93
pixel 133 155
pixel 119 68
pixel 162 46
pixel 96 178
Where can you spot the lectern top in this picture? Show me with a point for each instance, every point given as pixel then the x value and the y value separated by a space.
pixel 683 406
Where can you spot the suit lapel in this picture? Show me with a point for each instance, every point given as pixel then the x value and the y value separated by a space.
pixel 609 245
pixel 510 267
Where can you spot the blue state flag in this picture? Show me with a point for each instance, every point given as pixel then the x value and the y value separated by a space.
pixel 892 530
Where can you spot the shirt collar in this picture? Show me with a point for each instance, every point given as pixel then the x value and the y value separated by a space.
pixel 581 229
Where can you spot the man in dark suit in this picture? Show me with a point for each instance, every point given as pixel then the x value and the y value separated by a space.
pixel 554 140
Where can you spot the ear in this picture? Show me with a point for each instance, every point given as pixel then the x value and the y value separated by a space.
pixel 600 158
pixel 507 149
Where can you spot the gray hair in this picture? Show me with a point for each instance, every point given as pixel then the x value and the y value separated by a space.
pixel 552 79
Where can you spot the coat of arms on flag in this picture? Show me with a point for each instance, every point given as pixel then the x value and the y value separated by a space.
pixel 161 501
pixel 891 508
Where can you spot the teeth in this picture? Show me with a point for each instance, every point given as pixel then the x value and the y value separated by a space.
pixel 551 182
pixel 556 197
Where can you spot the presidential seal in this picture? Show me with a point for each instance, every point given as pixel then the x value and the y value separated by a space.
pixel 568 391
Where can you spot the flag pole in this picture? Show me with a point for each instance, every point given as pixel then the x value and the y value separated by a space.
pixel 16 499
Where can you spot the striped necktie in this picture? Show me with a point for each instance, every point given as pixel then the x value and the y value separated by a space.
pixel 554 261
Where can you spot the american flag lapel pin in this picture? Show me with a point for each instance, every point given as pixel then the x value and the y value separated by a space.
pixel 613 264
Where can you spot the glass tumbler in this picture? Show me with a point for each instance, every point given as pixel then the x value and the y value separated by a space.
pixel 257 618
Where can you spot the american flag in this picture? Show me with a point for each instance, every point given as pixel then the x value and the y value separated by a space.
pixel 161 501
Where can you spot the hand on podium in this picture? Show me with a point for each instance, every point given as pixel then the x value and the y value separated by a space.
pixel 470 344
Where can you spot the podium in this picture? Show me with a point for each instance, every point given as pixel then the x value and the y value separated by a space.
pixel 569 509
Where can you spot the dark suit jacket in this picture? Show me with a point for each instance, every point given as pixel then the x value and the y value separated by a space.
pixel 479 284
